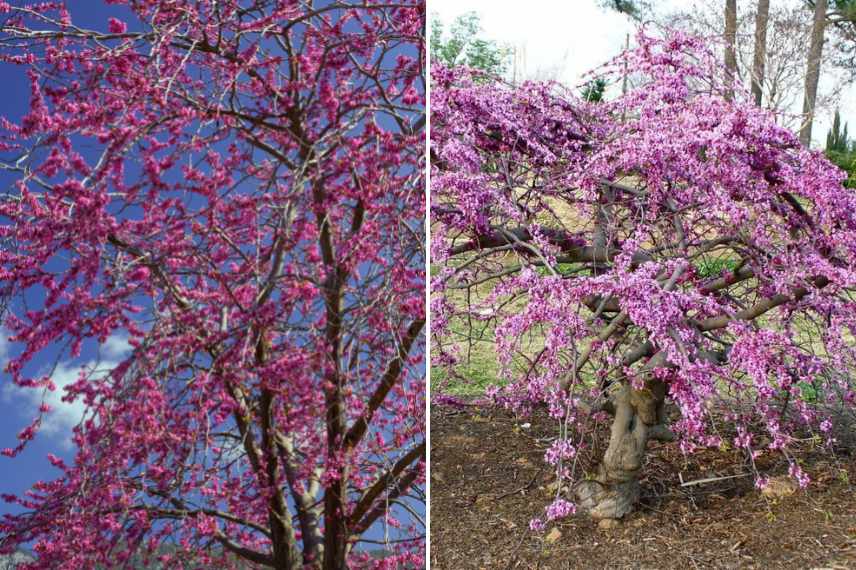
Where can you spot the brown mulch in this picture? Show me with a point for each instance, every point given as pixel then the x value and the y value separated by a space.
pixel 488 479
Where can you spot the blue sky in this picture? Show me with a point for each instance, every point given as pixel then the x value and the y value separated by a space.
pixel 17 407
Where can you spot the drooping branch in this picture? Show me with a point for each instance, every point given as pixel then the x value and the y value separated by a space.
pixel 760 307
pixel 571 251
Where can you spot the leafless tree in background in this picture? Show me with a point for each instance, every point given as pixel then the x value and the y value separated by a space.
pixel 730 46
pixel 762 17
pixel 788 33
pixel 812 75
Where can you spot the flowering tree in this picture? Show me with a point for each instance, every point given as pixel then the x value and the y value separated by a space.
pixel 668 244
pixel 236 187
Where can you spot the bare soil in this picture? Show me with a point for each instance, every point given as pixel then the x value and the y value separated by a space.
pixel 488 480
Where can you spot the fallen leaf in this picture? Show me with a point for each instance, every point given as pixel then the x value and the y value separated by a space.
pixel 553 536
pixel 508 524
pixel 779 487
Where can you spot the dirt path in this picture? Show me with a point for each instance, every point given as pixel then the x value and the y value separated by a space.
pixel 488 480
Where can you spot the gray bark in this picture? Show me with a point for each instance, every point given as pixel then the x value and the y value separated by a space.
pixel 760 54
pixel 812 75
pixel 730 47
pixel 639 416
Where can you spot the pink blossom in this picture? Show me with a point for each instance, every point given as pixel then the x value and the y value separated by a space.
pixel 560 509
pixel 117 26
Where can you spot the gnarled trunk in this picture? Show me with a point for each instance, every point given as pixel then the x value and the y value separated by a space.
pixel 639 416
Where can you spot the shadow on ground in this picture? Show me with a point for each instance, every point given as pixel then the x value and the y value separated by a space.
pixel 488 479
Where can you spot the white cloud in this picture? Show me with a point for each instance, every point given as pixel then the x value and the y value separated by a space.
pixel 63 416
pixel 559 40
pixel 116 346
pixel 4 348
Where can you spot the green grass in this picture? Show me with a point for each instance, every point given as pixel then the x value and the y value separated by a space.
pixel 476 379
pixel 809 392
pixel 560 268
pixel 713 267
pixel 477 367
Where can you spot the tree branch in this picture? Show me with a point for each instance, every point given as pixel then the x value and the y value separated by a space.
pixel 383 483
pixel 389 379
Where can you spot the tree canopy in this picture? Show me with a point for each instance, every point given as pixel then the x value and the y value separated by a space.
pixel 236 188
pixel 669 244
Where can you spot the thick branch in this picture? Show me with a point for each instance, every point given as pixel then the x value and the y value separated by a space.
pixel 384 482
pixel 244 552
pixel 758 308
pixel 389 379
pixel 404 483
pixel 572 252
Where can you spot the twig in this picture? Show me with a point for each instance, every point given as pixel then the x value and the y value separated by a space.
pixel 514 552
pixel 709 479
pixel 525 487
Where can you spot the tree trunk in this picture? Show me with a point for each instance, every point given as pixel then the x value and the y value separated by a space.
pixel 760 54
pixel 730 47
pixel 639 416
pixel 812 75
pixel 335 538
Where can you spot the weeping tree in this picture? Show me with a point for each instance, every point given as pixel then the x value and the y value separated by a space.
pixel 670 245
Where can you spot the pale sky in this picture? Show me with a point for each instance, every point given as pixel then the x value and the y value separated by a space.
pixel 565 39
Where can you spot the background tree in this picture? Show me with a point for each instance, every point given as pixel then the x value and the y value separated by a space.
pixel 839 149
pixel 812 75
pixel 593 90
pixel 730 46
pixel 236 188
pixel 762 19
pixel 635 9
pixel 841 33
pixel 464 46
pixel 665 245
pixel 788 33
pixel 836 138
